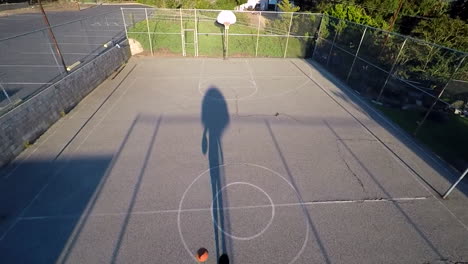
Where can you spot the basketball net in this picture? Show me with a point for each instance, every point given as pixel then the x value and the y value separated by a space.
pixel 226 25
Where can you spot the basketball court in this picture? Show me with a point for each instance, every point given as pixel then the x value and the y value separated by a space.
pixel 259 159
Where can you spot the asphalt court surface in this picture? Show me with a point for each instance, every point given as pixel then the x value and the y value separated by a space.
pixel 29 62
pixel 245 157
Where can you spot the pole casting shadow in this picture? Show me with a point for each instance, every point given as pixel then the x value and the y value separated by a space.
pixel 215 119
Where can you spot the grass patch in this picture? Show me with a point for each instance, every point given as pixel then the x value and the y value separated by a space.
pixel 448 139
pixel 165 37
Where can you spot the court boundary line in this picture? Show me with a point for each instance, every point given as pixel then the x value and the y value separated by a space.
pixel 272 205
pixel 281 205
pixel 11 170
pixel 392 153
pixel 67 160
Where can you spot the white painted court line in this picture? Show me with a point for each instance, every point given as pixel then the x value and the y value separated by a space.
pixel 172 211
pixel 272 205
pixel 18 164
pixel 200 76
pixel 384 146
pixel 250 72
pixel 68 158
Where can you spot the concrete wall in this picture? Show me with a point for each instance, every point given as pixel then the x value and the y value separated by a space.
pixel 25 123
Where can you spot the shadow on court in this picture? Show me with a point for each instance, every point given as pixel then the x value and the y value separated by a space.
pixel 346 94
pixel 50 202
pixel 215 119
pixel 36 234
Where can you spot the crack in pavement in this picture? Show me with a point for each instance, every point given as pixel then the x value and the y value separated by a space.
pixel 342 157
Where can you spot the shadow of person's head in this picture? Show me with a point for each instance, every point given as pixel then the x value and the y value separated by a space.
pixel 214 112
pixel 224 259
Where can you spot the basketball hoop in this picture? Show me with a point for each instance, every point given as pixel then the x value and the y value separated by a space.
pixel 226 18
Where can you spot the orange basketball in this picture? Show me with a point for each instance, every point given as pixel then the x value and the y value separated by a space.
pixel 202 255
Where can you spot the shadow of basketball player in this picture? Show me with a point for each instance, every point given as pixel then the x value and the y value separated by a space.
pixel 215 119
pixel 224 259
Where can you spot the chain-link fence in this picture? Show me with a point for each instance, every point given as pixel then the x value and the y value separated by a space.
pixel 32 61
pixel 421 86
pixel 193 32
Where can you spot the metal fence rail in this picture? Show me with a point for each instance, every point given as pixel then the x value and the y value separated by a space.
pixel 421 86
pixel 31 61
pixel 333 50
pixel 255 34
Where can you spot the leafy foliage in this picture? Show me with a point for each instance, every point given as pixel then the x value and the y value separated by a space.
pixel 287 6
pixel 425 8
pixel 355 14
pixel 445 31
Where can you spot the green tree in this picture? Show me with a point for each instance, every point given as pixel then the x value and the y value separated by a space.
pixel 425 8
pixel 445 31
pixel 286 6
pixel 355 14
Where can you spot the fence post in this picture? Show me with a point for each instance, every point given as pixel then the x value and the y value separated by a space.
pixel 53 53
pixel 196 34
pixel 149 35
pixel 182 33
pixel 52 36
pixel 318 36
pixel 390 73
pixel 258 33
pixel 331 48
pixel 455 184
pixel 438 97
pixel 226 41
pixel 125 23
pixel 355 55
pixel 289 32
